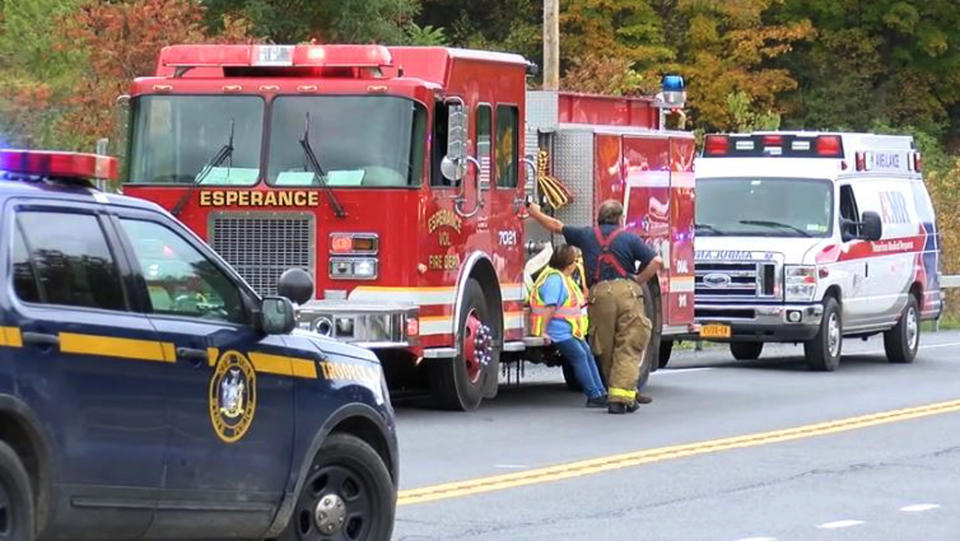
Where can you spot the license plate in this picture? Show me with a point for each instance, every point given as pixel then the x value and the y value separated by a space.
pixel 715 331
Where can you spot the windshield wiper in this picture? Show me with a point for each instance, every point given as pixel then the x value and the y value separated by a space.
pixel 317 170
pixel 226 151
pixel 768 223
pixel 709 228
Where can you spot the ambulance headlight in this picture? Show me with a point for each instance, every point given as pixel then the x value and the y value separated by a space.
pixel 799 283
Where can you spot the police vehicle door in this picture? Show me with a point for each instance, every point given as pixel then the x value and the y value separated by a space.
pixel 230 404
pixel 88 365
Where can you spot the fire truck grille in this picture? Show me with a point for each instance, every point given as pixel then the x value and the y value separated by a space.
pixel 262 246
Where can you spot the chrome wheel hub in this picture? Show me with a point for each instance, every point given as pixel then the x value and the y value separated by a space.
pixel 833 335
pixel 913 329
pixel 330 514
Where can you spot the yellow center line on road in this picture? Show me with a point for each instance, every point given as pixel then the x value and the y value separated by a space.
pixel 646 456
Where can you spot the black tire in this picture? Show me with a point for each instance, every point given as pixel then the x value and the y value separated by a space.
pixel 902 342
pixel 16 498
pixel 666 348
pixel 570 378
pixel 822 353
pixel 346 470
pixel 746 351
pixel 453 388
pixel 651 309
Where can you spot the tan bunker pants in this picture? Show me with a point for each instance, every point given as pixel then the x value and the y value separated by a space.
pixel 619 333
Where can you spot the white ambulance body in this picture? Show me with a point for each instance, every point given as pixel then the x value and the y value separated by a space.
pixel 809 237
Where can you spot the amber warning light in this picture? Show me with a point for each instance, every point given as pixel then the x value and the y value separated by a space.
pixel 52 164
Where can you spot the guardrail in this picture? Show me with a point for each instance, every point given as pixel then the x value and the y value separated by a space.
pixel 948 281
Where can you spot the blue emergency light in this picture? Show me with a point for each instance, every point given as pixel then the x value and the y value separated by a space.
pixel 673 95
pixel 673 83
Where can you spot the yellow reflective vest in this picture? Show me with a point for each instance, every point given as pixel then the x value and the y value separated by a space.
pixel 570 311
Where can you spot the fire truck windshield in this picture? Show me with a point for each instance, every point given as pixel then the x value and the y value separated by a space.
pixel 173 138
pixel 360 141
pixel 754 206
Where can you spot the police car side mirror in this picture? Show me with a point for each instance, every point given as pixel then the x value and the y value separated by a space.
pixel 277 315
pixel 296 285
pixel 871 226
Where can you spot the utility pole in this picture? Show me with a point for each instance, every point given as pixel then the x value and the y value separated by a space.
pixel 551 44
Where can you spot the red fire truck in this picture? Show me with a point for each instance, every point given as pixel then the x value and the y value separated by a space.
pixel 396 177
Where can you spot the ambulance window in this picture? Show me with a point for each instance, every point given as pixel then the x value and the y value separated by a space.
pixel 508 128
pixel 180 279
pixel 439 146
pixel 849 215
pixel 69 259
pixel 484 131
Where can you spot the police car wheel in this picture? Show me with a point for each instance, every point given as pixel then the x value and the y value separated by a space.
pixel 459 384
pixel 16 499
pixel 824 350
pixel 902 342
pixel 347 496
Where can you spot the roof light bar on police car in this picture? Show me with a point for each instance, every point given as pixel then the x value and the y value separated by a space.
pixel 53 164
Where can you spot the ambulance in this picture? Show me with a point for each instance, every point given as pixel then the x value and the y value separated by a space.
pixel 810 237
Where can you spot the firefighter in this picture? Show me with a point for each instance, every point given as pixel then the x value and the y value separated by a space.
pixel 557 303
pixel 619 331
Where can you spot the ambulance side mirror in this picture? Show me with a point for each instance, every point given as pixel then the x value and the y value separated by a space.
pixel 277 315
pixel 871 226
pixel 454 164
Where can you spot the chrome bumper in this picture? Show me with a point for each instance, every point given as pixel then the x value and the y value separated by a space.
pixel 743 315
pixel 375 326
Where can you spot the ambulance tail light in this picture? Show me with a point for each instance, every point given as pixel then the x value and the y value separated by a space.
pixel 861 159
pixel 829 146
pixel 917 162
pixel 716 145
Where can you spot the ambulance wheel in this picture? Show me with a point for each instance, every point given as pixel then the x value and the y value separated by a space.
pixel 746 351
pixel 348 495
pixel 903 341
pixel 16 499
pixel 666 348
pixel 459 384
pixel 823 352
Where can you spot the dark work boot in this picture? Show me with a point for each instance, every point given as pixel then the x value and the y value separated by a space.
pixel 597 401
pixel 620 408
pixel 643 399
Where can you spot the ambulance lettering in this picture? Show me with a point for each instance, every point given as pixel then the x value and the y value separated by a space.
pixel 894 208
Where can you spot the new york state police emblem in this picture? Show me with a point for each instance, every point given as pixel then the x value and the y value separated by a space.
pixel 233 396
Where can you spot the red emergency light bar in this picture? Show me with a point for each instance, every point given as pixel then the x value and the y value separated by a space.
pixel 785 145
pixel 46 163
pixel 333 56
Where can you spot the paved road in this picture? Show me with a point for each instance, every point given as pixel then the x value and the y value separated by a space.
pixel 894 476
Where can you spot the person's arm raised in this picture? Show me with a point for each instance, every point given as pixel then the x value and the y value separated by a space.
pixel 549 223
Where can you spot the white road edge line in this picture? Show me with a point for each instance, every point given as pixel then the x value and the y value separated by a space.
pixel 882 352
pixel 919 507
pixel 837 524
pixel 683 370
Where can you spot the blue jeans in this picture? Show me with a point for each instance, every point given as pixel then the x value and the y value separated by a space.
pixel 578 354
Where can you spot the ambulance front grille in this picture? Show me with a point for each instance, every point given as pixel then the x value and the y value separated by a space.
pixel 260 246
pixel 727 280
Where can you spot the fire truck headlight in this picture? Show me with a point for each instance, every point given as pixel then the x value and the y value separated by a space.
pixel 800 282
pixel 354 268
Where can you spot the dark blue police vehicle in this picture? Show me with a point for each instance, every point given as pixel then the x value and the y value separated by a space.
pixel 147 392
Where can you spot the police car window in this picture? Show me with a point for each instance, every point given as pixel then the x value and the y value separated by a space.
pixel 181 280
pixel 508 122
pixel 69 260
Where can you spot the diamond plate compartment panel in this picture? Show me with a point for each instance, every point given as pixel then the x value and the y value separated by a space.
pixel 573 165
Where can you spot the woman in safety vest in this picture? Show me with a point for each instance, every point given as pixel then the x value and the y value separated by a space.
pixel 556 305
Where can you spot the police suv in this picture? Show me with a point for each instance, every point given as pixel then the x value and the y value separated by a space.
pixel 811 237
pixel 147 392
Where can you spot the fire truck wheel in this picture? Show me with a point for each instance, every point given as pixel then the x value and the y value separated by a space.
pixel 746 351
pixel 666 348
pixel 823 352
pixel 347 495
pixel 458 384
pixel 16 501
pixel 652 309
pixel 902 341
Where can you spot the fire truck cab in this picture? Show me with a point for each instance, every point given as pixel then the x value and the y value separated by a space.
pixel 394 180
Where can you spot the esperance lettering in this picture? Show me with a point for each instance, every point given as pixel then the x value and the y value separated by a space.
pixel 258 198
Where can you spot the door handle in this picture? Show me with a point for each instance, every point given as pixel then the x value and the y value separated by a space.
pixel 195 356
pixel 40 339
